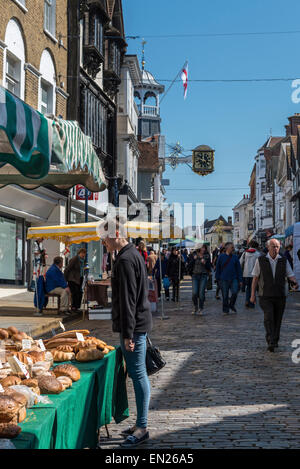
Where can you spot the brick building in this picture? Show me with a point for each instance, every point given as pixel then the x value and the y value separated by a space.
pixel 33 66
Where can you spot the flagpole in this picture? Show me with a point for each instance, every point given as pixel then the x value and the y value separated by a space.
pixel 180 71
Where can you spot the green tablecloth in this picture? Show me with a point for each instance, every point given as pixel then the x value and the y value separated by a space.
pixel 73 418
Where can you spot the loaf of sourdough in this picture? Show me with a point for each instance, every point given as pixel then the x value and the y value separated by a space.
pixel 67 370
pixel 49 385
pixel 11 410
pixel 63 356
pixel 89 354
pixel 65 381
pixel 9 430
pixel 11 380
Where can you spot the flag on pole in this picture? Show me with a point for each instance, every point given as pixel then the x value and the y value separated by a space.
pixel 184 77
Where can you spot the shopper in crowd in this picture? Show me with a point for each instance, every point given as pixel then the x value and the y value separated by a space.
pixel 143 250
pixel 247 261
pixel 74 273
pixel 287 254
pixel 199 269
pixel 221 250
pixel 156 274
pixel 229 273
pixel 151 261
pixel 270 273
pixel 173 272
pixel 56 283
pixel 132 319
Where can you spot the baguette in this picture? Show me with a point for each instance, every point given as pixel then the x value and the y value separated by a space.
pixel 63 356
pixel 68 335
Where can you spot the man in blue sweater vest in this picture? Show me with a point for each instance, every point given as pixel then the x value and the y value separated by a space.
pixel 229 274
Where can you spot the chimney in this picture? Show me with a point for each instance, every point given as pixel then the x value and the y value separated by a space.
pixel 287 130
pixel 294 122
pixel 229 220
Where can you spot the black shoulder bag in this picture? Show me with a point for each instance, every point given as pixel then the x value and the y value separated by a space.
pixel 154 360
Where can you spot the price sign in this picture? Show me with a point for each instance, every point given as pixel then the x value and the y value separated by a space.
pixel 62 326
pixel 18 366
pixel 26 344
pixel 41 345
pixel 1 388
pixel 79 337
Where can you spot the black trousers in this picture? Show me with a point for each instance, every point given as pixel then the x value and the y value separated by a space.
pixel 175 289
pixel 273 308
pixel 159 288
pixel 76 293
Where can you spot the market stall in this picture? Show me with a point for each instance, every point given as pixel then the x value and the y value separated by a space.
pixel 59 397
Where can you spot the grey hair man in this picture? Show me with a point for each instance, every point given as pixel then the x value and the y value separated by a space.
pixel 270 273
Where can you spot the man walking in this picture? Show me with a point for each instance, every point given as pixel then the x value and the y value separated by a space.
pixel 247 261
pixel 229 274
pixel 132 318
pixel 270 273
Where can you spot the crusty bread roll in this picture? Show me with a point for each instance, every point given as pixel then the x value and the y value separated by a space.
pixel 9 409
pixel 67 370
pixel 9 430
pixel 63 356
pixel 89 354
pixel 17 338
pixel 49 385
pixel 17 396
pixel 65 381
pixel 30 383
pixel 4 334
pixel 10 381
pixel 12 331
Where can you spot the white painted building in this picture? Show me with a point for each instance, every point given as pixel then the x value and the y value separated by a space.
pixel 241 220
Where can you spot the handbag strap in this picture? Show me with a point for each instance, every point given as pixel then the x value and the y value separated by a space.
pixel 149 343
pixel 226 263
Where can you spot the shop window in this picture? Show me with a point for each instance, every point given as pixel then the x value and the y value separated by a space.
pixel 13 74
pixel 50 16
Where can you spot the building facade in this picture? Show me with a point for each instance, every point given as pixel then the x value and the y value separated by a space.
pixel 33 67
pixel 218 231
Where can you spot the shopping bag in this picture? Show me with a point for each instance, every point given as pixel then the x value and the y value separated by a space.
pixel 154 360
pixel 166 283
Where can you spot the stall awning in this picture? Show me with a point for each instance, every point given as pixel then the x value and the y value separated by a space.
pixel 289 231
pixel 37 151
pixel 86 232
pixel 25 137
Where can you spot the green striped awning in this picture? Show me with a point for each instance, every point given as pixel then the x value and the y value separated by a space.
pixel 25 137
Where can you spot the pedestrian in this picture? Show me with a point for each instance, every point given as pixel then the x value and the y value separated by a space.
pixel 173 268
pixel 229 273
pixel 218 283
pixel 151 261
pixel 143 251
pixel 156 274
pixel 247 262
pixel 270 273
pixel 199 269
pixel 56 283
pixel 132 319
pixel 74 273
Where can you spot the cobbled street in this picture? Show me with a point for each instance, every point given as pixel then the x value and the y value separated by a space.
pixel 220 388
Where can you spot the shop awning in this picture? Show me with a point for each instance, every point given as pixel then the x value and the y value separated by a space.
pixel 86 232
pixel 25 137
pixel 37 151
pixel 289 231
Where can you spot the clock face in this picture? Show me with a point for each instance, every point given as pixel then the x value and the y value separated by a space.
pixel 203 161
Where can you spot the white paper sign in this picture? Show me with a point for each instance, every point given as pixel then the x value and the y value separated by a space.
pixel 1 366
pixel 41 345
pixel 1 388
pixel 62 326
pixel 79 337
pixel 26 344
pixel 19 366
pixel 30 362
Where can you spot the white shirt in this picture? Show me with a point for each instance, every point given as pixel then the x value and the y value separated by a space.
pixel 273 263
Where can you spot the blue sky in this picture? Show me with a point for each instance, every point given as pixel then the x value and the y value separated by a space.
pixel 233 118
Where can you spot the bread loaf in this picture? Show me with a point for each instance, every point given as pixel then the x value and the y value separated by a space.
pixel 89 354
pixel 17 396
pixel 30 383
pixel 10 381
pixel 12 331
pixel 9 409
pixel 23 357
pixel 110 347
pixel 4 334
pixel 37 356
pixel 17 338
pixel 21 415
pixel 65 381
pixel 65 348
pixel 67 370
pixel 63 356
pixel 69 334
pixel 49 385
pixel 83 345
pixel 9 430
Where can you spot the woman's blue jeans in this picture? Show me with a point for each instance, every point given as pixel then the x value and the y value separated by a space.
pixel 199 282
pixel 136 366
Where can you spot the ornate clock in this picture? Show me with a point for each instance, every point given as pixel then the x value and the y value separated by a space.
pixel 203 160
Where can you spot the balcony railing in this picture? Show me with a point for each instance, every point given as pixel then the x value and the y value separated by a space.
pixel 148 110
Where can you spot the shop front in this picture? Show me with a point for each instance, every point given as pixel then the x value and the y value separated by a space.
pixel 12 250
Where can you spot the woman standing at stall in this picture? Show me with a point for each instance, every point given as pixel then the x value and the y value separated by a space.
pixel 74 273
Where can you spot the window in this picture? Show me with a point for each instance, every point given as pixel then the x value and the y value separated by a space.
pixel 13 74
pixel 98 34
pixel 236 216
pixel 50 16
pixel 46 98
pixel 95 125
pixel 115 58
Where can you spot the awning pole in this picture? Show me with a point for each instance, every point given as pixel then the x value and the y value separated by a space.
pixel 179 272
